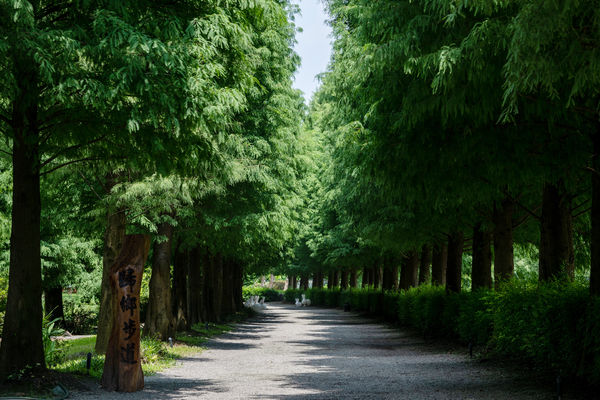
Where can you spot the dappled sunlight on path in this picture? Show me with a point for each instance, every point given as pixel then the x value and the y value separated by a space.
pixel 311 353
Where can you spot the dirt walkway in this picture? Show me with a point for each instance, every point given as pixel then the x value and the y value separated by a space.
pixel 312 353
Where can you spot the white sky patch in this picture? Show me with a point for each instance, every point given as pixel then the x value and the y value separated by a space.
pixel 313 47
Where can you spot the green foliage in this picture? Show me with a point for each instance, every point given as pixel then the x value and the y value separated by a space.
pixel 53 352
pixel 81 317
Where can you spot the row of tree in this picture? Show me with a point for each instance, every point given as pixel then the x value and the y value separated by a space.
pixel 171 118
pixel 443 127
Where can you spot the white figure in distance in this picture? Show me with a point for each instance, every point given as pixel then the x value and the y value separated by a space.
pixel 262 304
pixel 305 301
pixel 298 304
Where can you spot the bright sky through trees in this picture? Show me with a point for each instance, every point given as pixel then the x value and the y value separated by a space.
pixel 314 46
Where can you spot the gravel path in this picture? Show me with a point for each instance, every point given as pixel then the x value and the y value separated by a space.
pixel 312 353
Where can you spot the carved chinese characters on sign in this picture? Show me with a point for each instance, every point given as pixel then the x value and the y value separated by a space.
pixel 122 368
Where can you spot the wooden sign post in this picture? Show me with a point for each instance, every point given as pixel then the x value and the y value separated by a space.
pixel 123 366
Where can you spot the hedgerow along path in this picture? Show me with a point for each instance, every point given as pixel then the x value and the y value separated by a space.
pixel 315 353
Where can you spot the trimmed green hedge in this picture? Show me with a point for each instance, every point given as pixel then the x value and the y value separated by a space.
pixel 269 294
pixel 554 327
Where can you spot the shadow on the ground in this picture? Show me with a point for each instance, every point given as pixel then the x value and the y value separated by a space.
pixel 352 357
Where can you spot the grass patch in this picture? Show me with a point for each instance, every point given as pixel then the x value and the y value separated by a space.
pixel 156 355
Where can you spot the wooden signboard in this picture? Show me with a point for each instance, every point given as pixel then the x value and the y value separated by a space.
pixel 123 367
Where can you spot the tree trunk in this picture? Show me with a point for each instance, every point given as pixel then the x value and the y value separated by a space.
pixel 425 266
pixel 227 299
pixel 123 364
pixel 481 276
pixel 353 278
pixel 114 236
pixel 330 282
pixel 556 235
pixel 304 281
pixel 390 274
pixel 54 304
pixel 213 287
pixel 336 278
pixel 409 271
pixel 344 281
pixel 377 276
pixel 159 317
pixel 180 269
pixel 22 335
pixel 454 266
pixel 194 288
pixel 439 262
pixel 504 263
pixel 238 273
pixel 595 239
pixel 317 280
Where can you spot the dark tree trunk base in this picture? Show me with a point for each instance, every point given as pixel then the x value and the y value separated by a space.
pixel 454 267
pixel 425 266
pixel 123 365
pixel 557 258
pixel 504 263
pixel 409 271
pixel 439 262
pixel 482 259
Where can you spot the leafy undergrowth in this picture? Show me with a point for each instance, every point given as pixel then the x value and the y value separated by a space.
pixel 39 384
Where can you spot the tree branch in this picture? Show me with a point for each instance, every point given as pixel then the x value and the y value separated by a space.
pixel 89 185
pixel 5 119
pixel 582 212
pixel 521 221
pixel 74 147
pixel 592 170
pixel 69 163
pixel 517 202
pixel 583 203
